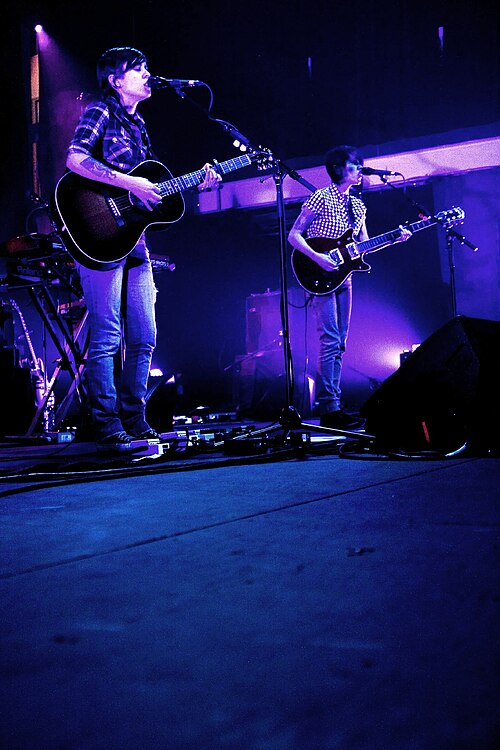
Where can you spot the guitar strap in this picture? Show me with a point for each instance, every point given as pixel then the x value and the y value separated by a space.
pixel 350 212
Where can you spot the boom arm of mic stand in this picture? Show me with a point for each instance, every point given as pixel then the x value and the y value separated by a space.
pixel 463 240
pixel 297 177
pixel 180 92
pixel 422 211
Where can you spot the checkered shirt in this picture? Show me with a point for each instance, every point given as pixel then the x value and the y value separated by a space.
pixel 332 219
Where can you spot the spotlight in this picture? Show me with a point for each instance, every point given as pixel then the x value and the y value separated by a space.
pixel 39 28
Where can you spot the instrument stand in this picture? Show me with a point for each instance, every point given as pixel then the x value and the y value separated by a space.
pixel 72 355
pixel 34 263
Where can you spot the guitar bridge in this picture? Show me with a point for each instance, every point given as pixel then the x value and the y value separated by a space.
pixel 115 211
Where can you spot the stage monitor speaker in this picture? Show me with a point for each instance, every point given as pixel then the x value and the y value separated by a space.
pixel 444 395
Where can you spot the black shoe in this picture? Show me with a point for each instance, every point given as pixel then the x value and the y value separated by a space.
pixel 339 420
pixel 120 442
pixel 150 435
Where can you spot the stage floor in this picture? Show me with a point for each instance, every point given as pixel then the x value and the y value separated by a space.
pixel 266 597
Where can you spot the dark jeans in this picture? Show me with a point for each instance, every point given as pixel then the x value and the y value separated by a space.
pixel 119 300
pixel 333 314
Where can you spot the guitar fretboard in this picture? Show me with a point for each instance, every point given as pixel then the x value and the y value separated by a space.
pixel 374 243
pixel 187 181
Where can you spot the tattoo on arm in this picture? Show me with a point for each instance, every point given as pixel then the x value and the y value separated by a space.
pixel 92 165
pixel 302 222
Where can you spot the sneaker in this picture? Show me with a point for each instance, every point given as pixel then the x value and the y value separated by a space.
pixel 339 420
pixel 120 442
pixel 150 435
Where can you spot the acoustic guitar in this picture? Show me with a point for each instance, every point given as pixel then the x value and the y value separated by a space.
pixel 100 223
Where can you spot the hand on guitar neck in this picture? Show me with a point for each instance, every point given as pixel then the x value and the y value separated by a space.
pixel 405 234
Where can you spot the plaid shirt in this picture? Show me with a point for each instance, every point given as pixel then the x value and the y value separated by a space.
pixel 109 134
pixel 333 215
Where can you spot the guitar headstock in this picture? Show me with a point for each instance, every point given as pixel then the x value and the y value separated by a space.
pixel 262 157
pixel 450 217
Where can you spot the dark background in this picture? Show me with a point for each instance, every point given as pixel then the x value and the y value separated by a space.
pixel 377 72
pixel 297 77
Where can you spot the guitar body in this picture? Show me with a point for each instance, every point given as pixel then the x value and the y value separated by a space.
pixel 101 224
pixel 348 255
pixel 314 279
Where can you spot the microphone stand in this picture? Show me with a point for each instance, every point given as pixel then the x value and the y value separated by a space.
pixel 451 234
pixel 289 418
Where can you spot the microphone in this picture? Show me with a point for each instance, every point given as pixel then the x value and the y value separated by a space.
pixel 158 82
pixel 380 172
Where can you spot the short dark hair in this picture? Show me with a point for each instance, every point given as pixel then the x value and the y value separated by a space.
pixel 337 158
pixel 116 61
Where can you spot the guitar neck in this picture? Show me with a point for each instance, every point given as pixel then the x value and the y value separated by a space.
pixel 193 179
pixel 389 238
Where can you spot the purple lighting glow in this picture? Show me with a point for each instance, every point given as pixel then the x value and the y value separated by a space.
pixel 379 333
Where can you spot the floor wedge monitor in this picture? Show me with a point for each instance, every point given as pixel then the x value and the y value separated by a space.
pixel 445 394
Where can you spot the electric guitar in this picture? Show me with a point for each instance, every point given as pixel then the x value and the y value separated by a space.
pixel 349 255
pixel 100 223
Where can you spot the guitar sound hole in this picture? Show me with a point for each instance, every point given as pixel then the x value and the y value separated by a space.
pixel 137 203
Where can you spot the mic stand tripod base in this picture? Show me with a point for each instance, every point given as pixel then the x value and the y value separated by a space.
pixel 340 433
pixel 290 420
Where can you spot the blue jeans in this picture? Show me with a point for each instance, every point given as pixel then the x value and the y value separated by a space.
pixel 333 314
pixel 120 304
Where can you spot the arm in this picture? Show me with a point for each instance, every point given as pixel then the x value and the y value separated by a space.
pixel 296 240
pixel 86 166
pixel 363 233
pixel 146 191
